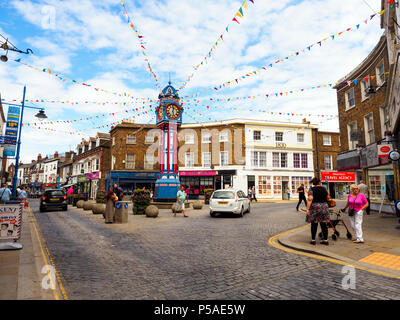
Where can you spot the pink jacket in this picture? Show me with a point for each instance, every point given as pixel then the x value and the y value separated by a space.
pixel 358 202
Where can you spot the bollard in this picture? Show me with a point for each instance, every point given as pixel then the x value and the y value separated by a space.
pixel 121 212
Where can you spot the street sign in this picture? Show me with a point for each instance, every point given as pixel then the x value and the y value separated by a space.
pixel 11 130
pixel 394 155
pixel 8 140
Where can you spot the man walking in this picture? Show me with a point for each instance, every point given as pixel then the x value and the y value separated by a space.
pixel 180 201
pixel 5 193
pixel 302 197
pixel 363 188
pixel 249 194
pixel 253 192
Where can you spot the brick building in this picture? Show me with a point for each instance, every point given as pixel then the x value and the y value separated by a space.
pixel 363 121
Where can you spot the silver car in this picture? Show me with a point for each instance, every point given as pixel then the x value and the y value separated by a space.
pixel 230 201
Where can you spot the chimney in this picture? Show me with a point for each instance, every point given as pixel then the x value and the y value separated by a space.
pixel 56 154
pixel 39 158
pixel 305 121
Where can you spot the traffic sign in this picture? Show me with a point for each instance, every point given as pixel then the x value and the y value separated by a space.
pixel 394 155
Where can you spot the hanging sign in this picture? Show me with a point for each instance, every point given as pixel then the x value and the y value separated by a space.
pixel 384 150
pixel 394 155
pixel 11 130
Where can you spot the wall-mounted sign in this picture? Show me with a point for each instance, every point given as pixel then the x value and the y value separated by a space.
pixel 281 145
pixel 384 150
pixel 334 176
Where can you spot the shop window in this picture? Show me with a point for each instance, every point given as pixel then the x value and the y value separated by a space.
pixel 350 102
pixel 328 162
pixel 278 136
pixel 297 181
pixel 327 140
pixel 300 138
pixel 375 187
pixel 264 186
pixel 257 135
pixel 277 186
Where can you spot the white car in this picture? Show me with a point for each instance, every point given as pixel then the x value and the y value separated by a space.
pixel 229 200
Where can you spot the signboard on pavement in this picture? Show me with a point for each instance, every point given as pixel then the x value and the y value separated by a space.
pixel 335 176
pixel 10 221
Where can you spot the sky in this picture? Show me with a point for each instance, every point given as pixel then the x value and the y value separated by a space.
pixel 92 42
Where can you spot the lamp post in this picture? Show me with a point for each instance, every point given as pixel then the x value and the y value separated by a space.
pixel 41 115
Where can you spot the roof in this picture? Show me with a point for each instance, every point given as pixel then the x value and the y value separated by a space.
pixel 103 135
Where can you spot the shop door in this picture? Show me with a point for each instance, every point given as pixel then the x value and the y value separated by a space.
pixel 251 182
pixel 285 185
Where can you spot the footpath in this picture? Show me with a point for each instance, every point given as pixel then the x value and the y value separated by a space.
pixel 21 270
pixel 380 252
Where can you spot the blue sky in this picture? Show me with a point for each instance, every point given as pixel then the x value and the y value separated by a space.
pixel 91 41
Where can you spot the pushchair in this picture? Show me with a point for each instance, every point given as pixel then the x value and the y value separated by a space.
pixel 332 223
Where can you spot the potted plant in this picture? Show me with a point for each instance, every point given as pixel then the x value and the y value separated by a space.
pixel 207 195
pixel 101 196
pixel 141 200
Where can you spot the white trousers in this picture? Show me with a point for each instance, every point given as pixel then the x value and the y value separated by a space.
pixel 356 224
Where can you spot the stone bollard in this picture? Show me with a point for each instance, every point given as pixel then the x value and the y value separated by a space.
pixel 79 204
pixel 99 208
pixel 121 212
pixel 197 205
pixel 151 211
pixel 173 208
pixel 87 205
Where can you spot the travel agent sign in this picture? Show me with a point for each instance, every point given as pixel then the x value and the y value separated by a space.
pixel 11 131
pixel 333 176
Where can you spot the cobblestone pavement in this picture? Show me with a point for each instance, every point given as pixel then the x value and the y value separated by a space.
pixel 196 258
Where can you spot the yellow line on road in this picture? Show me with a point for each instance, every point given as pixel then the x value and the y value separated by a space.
pixel 60 285
pixel 273 241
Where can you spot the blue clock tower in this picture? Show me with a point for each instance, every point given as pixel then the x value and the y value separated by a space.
pixel 169 118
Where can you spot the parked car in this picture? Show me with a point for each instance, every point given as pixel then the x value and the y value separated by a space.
pixel 53 199
pixel 229 201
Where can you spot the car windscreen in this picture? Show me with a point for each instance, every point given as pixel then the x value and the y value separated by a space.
pixel 223 195
pixel 54 193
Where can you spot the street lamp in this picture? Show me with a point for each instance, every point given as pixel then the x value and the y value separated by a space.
pixel 41 115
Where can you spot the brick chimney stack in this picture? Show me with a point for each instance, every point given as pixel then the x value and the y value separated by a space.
pixel 56 154
pixel 39 158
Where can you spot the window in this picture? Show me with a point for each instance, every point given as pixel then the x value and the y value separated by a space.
pixel 223 136
pixel 297 181
pixel 275 159
pixel 130 161
pixel 149 138
pixel 259 159
pixel 350 102
pixel 224 158
pixel 375 187
pixel 364 88
pixel 206 159
pixel 256 135
pixel 113 143
pixel 328 162
pixel 264 186
pixel 131 138
pixel 284 163
pixel 327 140
pixel 300 137
pixel 304 160
pixel 385 119
pixel 189 139
pixel 380 74
pixel 148 161
pixel 189 159
pixel 351 129
pixel 296 160
pixel 369 128
pixel 279 160
pixel 277 185
pixel 206 137
pixel 113 162
pixel 278 136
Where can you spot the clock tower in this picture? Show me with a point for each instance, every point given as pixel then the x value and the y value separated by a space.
pixel 169 118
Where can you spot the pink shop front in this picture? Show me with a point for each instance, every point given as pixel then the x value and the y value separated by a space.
pixel 195 182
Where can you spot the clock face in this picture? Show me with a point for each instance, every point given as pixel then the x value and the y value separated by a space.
pixel 173 111
pixel 160 112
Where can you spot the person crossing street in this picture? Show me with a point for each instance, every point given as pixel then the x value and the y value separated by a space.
pixel 302 197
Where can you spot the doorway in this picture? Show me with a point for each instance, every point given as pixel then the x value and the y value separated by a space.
pixel 285 185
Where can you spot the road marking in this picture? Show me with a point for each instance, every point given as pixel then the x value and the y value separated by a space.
pixel 60 285
pixel 274 243
pixel 381 259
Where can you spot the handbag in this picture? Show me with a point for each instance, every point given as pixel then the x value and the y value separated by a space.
pixel 352 212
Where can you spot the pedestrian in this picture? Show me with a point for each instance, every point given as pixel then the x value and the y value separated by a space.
pixel 151 195
pixel 180 202
pixel 288 193
pixel 317 210
pixel 253 193
pixel 363 188
pixel 357 203
pixel 5 193
pixel 249 194
pixel 70 191
pixel 111 198
pixel 302 197
pixel 118 192
pixel 22 196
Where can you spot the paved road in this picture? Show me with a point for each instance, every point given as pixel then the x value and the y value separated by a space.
pixel 196 258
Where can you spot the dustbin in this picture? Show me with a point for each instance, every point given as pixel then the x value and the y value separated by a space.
pixel 121 212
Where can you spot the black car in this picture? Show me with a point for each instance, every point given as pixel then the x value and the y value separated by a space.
pixel 53 199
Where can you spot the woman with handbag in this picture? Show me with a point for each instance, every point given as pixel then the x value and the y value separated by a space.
pixel 109 212
pixel 357 203
pixel 317 210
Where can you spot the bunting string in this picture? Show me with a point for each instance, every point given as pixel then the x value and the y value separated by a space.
pixel 239 14
pixel 142 44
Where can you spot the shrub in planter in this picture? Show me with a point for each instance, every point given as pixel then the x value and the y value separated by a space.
pixel 197 205
pixel 101 196
pixel 207 195
pixel 141 200
pixel 151 211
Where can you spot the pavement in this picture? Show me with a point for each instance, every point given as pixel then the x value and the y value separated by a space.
pixel 380 252
pixel 21 274
pixel 199 257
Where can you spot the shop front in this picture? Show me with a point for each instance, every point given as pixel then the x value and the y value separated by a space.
pixel 131 180
pixel 338 183
pixel 94 178
pixel 195 182
pixel 84 184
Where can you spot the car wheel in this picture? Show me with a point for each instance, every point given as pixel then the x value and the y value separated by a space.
pixel 65 208
pixel 41 209
pixel 212 214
